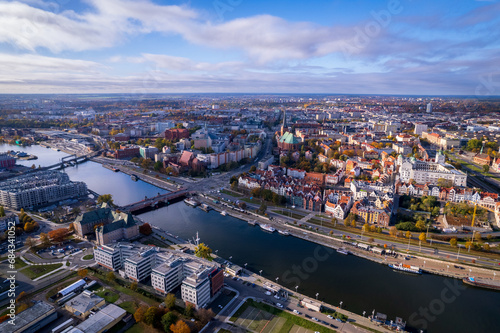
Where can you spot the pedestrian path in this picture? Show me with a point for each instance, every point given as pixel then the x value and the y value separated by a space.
pixel 307 217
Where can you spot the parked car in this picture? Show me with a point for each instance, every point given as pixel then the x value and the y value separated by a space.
pixel 279 305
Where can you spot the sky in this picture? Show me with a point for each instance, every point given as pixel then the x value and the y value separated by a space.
pixel 414 47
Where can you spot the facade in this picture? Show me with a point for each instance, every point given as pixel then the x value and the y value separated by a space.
pixel 126 152
pixel 176 134
pixel 195 289
pixel 420 128
pixel 148 152
pixel 39 189
pixel 6 221
pixel 429 172
pixel 7 161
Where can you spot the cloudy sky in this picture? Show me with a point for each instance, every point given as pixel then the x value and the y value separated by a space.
pixel 278 46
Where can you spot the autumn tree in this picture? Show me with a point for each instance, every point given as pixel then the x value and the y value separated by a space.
pixel 133 286
pixel 150 314
pixel 30 242
pixel 170 301
pixel 408 234
pixel 145 229
pixel 83 272
pixel 105 198
pixel 393 231
pixel 110 276
pixel 366 227
pixel 58 235
pixel 189 310
pixel 180 327
pixel 139 313
pixel 205 315
pixel 44 239
pixel 71 227
pixel 202 251
pixel 422 237
pixel 453 242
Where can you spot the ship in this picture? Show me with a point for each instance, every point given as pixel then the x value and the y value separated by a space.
pixel 267 227
pixel 482 283
pixel 406 268
pixel 343 251
pixel 205 207
pixel 191 202
pixel 134 177
pixel 223 213
pixel 283 232
pixel 115 169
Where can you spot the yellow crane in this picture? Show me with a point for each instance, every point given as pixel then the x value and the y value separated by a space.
pixel 474 215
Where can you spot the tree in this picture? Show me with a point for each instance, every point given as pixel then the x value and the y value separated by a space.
pixel 110 276
pixel 83 272
pixel 453 242
pixel 393 231
pixel 167 320
pixel 20 296
pixel 189 310
pixel 422 237
pixel 234 185
pixel 149 316
pixel 262 208
pixel 441 182
pixel 145 229
pixel 30 242
pixel 105 198
pixel 253 168
pixel 2 211
pixel 205 315
pixel 420 225
pixel 353 223
pixel 202 251
pixel 169 301
pixel 486 247
pixel 366 227
pixel 158 166
pixel 30 226
pixel 44 239
pixel 242 205
pixel 58 235
pixel 180 327
pixel 139 313
pixel 477 237
pixel 408 234
pixel 486 168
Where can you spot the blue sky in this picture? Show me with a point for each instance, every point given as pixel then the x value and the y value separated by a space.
pixel 158 46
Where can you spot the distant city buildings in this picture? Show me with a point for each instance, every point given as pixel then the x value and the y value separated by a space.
pixel 429 108
pixel 39 189
pixel 7 161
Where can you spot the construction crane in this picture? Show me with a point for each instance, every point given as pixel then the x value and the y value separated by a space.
pixel 474 215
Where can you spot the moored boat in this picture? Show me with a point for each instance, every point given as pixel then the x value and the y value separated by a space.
pixel 191 202
pixel 343 251
pixel 134 177
pixel 267 227
pixel 223 213
pixel 205 207
pixel 482 283
pixel 406 268
pixel 252 222
pixel 283 232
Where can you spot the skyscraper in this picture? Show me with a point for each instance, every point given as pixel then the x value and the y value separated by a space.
pixel 429 108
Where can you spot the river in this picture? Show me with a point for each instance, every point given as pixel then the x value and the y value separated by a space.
pixel 441 304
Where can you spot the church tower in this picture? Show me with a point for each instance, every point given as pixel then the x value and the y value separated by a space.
pixel 283 126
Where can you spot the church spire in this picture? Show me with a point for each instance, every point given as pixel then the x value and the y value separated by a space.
pixel 283 126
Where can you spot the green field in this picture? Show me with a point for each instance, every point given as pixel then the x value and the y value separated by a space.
pixel 109 296
pixel 263 318
pixel 88 257
pixel 128 306
pixel 35 271
pixel 19 263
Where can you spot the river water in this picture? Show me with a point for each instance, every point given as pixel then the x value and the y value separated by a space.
pixel 428 301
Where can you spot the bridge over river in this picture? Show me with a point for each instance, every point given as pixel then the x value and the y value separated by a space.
pixel 154 201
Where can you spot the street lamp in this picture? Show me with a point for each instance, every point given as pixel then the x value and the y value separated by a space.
pixel 277 279
pixel 340 305
pixel 424 263
pixel 364 312
pixel 470 271
pixel 447 268
pixel 458 253
pixel 246 265
pixel 296 287
pixel 260 272
pixel 494 276
pixel 317 294
pixel 230 257
pixel 216 252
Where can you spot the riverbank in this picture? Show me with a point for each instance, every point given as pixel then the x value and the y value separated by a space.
pixel 429 265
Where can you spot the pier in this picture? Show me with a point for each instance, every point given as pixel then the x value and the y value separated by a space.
pixel 154 201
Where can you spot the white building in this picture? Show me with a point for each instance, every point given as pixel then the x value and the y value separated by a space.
pixel 420 128
pixel 429 172
pixel 429 108
pixel 195 289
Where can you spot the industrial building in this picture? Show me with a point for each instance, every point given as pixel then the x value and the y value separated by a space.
pixel 31 320
pixel 101 321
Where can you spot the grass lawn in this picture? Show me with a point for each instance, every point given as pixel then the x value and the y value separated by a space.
pixel 19 263
pixel 155 242
pixel 128 306
pixel 109 296
pixel 141 328
pixel 231 193
pixel 35 271
pixel 88 257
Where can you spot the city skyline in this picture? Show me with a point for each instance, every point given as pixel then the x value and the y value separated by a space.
pixel 360 47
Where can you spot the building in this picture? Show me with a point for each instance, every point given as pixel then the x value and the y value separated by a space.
pixel 429 172
pixel 429 108
pixel 39 189
pixel 7 221
pixel 81 305
pixel 102 321
pixel 176 134
pixel 195 289
pixel 7 161
pixel 148 152
pixel 126 152
pixel 311 304
pixel 31 320
pixel 167 276
pixel 420 128
pixel 482 159
pixel 216 277
pixel 109 225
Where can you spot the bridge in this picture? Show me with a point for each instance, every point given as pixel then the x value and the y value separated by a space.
pixel 152 202
pixel 71 160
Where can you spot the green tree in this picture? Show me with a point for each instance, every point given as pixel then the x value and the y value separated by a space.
pixel 234 185
pixel 486 168
pixel 169 301
pixel 133 286
pixel 110 276
pixel 2 211
pixel 262 208
pixel 105 198
pixel 44 239
pixel 453 242
pixel 167 320
pixel 158 166
pixel 189 310
pixel 202 251
pixel 149 316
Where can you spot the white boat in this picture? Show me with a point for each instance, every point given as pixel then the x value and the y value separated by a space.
pixel 283 232
pixel 223 213
pixel 267 227
pixel 406 268
pixel 191 202
pixel 343 251
pixel 252 222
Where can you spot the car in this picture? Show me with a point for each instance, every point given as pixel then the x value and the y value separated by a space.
pixel 315 319
pixel 329 317
pixel 296 312
pixel 268 293
pixel 338 319
pixel 279 305
pixel 276 296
